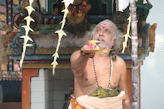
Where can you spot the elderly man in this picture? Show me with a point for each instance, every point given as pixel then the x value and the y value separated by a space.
pixel 100 78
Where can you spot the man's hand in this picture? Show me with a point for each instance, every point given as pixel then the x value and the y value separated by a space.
pixel 87 55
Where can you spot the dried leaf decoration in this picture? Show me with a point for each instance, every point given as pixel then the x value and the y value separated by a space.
pixel 27 28
pixel 126 36
pixel 61 33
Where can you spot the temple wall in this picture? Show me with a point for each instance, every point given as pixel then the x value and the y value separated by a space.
pixel 48 91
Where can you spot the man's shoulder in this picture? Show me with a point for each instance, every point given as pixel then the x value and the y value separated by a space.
pixel 120 62
pixel 75 54
pixel 121 65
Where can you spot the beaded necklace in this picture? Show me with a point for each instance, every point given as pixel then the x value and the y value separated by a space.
pixel 110 76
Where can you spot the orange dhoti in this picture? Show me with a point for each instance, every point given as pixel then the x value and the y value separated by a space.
pixel 75 105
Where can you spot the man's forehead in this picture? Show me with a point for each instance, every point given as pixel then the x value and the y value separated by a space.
pixel 105 24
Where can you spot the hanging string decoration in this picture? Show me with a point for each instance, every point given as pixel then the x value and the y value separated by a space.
pixel 126 36
pixel 61 32
pixel 27 28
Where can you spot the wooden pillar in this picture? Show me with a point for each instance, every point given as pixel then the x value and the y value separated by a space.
pixel 129 82
pixel 26 86
pixel 139 88
pixel 129 85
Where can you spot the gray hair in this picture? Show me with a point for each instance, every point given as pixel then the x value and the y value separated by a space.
pixel 117 39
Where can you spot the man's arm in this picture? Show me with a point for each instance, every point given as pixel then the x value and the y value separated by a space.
pixel 123 84
pixel 79 61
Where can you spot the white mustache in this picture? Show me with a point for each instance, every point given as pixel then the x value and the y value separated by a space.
pixel 100 39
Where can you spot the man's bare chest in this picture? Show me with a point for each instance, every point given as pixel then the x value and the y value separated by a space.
pixel 102 77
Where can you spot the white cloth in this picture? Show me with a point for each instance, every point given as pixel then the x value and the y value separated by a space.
pixel 123 4
pixel 90 102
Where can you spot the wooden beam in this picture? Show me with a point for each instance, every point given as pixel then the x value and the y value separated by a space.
pixel 26 87
pixel 61 65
